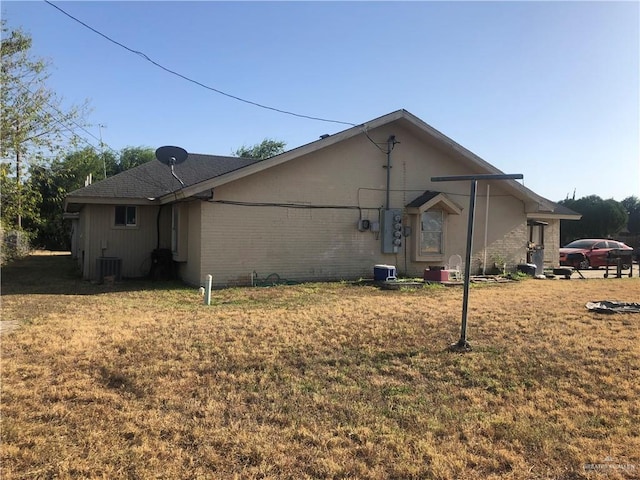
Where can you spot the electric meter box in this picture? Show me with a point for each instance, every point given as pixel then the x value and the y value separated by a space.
pixel 392 231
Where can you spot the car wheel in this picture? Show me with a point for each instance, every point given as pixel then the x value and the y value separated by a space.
pixel 584 264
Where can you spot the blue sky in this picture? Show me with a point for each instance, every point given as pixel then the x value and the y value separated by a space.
pixel 546 89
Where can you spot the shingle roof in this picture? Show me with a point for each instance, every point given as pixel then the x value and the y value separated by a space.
pixel 562 210
pixel 422 199
pixel 153 179
pixel 199 172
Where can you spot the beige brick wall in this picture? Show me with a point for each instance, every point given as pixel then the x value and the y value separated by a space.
pixel 551 243
pixel 295 244
pixel 324 244
pixel 510 250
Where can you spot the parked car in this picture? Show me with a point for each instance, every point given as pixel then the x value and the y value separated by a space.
pixel 590 252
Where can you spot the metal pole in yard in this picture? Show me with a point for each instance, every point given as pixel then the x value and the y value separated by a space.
pixel 463 345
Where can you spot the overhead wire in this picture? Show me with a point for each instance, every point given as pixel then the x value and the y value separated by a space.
pixel 149 181
pixel 287 205
pixel 56 109
pixel 376 144
pixel 208 87
pixel 196 82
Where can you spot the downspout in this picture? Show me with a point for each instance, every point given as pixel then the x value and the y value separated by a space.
pixel 486 232
pixel 158 227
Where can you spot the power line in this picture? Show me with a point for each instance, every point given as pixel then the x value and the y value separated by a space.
pixel 53 107
pixel 82 128
pixel 184 77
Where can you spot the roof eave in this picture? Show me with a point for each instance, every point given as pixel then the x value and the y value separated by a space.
pixel 552 216
pixel 74 204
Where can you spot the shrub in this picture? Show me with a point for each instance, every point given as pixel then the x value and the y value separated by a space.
pixel 15 244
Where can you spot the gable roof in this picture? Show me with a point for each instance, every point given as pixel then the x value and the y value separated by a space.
pixel 430 199
pixel 414 124
pixel 422 199
pixel 559 212
pixel 153 180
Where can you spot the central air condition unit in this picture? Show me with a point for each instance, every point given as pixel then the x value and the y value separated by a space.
pixel 109 267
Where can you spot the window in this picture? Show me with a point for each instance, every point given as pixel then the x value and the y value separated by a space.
pixel 125 216
pixel 431 232
pixel 430 214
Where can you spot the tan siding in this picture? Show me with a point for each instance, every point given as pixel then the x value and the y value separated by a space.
pixel 132 244
pixel 83 240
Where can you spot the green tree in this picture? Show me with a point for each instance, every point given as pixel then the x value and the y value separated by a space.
pixel 134 156
pixel 10 194
pixel 32 123
pixel 81 164
pixel 266 149
pixel 632 207
pixel 600 218
pixel 50 185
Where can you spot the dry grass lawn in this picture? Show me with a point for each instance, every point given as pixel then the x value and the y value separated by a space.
pixel 315 381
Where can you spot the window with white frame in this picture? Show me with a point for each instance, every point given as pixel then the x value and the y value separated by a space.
pixel 430 214
pixel 432 232
pixel 126 216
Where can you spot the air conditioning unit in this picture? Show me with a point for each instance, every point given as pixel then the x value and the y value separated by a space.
pixel 107 267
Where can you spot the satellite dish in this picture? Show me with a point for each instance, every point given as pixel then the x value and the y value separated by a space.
pixel 170 155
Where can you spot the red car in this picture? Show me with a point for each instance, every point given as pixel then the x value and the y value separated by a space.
pixel 591 252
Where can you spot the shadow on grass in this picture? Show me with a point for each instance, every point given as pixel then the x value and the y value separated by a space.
pixel 59 275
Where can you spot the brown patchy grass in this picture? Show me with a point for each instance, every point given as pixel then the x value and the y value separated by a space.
pixel 141 380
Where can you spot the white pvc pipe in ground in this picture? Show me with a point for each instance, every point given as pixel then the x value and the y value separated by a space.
pixel 207 291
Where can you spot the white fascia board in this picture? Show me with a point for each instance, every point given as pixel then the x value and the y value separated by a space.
pixel 108 201
pixel 552 216
pixel 441 199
